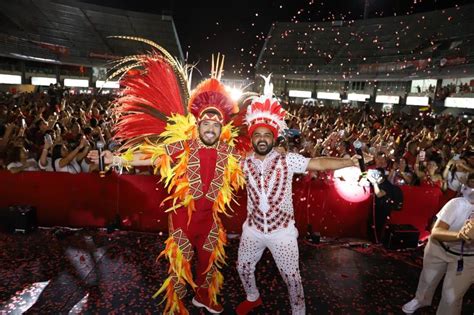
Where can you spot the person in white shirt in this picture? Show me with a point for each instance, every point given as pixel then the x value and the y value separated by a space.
pixel 456 172
pixel 270 216
pixel 45 162
pixel 19 161
pixel 449 253
pixel 68 161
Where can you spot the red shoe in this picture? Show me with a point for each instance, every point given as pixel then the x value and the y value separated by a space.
pixel 201 299
pixel 246 306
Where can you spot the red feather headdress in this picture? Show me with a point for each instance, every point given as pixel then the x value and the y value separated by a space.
pixel 212 96
pixel 266 111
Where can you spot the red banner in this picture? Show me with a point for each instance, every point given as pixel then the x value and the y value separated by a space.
pixel 85 200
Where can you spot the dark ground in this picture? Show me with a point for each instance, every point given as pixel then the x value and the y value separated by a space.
pixel 92 272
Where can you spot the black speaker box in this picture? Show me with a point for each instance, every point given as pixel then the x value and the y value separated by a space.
pixel 20 219
pixel 401 236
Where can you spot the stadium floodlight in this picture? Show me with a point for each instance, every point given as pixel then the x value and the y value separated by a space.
pixel 329 96
pixel 10 79
pixel 299 93
pixel 459 102
pixel 43 81
pixel 387 99
pixel 418 100
pixel 100 84
pixel 76 83
pixel 358 97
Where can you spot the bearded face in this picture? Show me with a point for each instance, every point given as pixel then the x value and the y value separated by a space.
pixel 209 131
pixel 262 140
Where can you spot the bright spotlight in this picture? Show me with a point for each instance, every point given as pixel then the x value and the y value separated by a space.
pixel 235 93
pixel 349 186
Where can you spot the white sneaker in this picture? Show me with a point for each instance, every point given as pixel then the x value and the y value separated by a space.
pixel 412 306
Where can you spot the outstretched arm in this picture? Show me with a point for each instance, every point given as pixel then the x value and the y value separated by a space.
pixel 139 159
pixel 331 163
pixel 109 158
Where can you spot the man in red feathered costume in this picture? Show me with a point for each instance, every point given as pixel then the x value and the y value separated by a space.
pixel 195 157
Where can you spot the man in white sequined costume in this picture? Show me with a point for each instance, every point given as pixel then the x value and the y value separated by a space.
pixel 270 216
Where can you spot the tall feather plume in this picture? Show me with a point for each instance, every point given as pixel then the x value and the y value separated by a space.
pixel 217 66
pixel 159 89
pixel 124 70
pixel 179 69
pixel 268 88
pixel 117 64
pixel 147 101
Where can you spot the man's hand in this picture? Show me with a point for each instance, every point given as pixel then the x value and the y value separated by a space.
pixel 83 143
pixel 47 145
pixel 94 156
pixel 355 159
pixel 371 179
pixel 467 231
pixel 462 165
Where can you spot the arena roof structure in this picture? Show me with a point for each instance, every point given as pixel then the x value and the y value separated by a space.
pixel 437 43
pixel 76 33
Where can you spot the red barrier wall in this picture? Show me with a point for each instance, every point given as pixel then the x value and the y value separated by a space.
pixel 86 200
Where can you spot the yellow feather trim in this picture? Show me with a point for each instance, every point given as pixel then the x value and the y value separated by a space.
pixel 217 259
pixel 180 128
pixel 215 286
pixel 179 267
pixel 173 174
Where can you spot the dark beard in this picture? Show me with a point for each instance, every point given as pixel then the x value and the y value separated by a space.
pixel 264 152
pixel 208 143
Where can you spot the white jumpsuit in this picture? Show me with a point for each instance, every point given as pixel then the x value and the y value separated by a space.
pixel 270 223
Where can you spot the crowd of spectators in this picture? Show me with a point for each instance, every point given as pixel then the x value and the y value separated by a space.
pixel 54 131
pixel 419 148
pixel 451 89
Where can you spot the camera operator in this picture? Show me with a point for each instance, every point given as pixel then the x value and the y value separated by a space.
pixel 388 197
